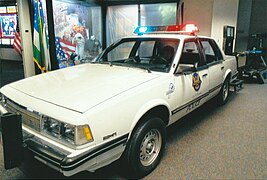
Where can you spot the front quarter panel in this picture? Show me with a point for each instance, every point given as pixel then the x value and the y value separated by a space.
pixel 118 116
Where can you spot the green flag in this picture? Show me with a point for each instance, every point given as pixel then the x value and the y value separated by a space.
pixel 40 46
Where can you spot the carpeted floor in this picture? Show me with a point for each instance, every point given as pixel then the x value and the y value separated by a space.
pixel 228 142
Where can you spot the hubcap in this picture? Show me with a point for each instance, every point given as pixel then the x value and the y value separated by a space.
pixel 225 91
pixel 150 147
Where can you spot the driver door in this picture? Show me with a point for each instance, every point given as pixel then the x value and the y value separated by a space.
pixel 193 82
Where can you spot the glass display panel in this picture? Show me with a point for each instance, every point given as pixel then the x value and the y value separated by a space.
pixel 121 22
pixel 158 14
pixel 78 32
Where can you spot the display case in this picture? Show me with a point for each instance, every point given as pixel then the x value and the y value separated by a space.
pixel 78 32
pixel 8 24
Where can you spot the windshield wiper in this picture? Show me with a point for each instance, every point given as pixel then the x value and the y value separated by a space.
pixel 145 68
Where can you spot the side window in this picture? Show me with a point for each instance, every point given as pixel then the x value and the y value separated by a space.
pixel 209 52
pixel 190 47
pixel 190 54
pixel 217 50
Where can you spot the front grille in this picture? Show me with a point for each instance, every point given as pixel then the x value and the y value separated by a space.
pixel 29 119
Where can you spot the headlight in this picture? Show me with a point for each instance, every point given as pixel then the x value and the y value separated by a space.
pixel 76 135
pixel 2 99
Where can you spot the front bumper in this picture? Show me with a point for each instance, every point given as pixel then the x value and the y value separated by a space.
pixel 67 162
pixel 64 162
pixel 44 153
pixel 54 157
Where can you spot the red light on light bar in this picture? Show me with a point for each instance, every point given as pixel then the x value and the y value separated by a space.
pixel 187 28
pixel 174 28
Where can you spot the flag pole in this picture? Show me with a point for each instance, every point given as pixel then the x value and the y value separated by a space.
pixel 51 34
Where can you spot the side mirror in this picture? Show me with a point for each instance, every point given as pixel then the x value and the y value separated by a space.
pixel 186 69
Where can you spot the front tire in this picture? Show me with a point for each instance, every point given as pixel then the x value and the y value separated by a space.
pixel 146 147
pixel 224 92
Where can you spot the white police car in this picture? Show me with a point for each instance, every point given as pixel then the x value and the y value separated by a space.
pixel 85 117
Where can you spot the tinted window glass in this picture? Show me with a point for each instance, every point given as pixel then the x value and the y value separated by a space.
pixel 209 52
pixel 122 51
pixel 154 54
pixel 190 54
pixel 146 49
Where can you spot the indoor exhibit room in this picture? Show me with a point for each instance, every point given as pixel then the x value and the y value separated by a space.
pixel 131 89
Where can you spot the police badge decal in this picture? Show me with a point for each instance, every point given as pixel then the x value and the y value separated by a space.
pixel 196 81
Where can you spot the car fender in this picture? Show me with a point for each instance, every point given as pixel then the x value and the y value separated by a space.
pixel 145 108
pixel 227 72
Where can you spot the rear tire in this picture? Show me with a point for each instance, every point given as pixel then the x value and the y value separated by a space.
pixel 145 148
pixel 224 92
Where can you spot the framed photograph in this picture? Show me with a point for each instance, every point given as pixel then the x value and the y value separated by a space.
pixel 8 24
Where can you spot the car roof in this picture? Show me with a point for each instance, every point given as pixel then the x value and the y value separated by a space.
pixel 167 35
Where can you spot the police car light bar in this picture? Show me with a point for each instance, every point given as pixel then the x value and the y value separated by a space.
pixel 181 29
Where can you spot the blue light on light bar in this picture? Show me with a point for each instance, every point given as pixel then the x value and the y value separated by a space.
pixel 149 29
pixel 142 29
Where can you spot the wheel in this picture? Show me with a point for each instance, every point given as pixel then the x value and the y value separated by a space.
pixel 145 148
pixel 224 92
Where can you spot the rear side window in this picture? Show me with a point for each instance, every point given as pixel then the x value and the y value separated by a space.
pixel 217 50
pixel 208 50
pixel 211 50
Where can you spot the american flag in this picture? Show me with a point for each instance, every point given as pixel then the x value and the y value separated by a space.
pixel 64 48
pixel 17 40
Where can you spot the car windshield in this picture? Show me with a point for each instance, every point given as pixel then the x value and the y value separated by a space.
pixel 153 54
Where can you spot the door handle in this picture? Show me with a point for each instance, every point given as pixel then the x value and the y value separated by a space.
pixel 204 75
pixel 222 67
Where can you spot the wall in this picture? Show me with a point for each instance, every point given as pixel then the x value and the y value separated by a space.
pixel 259 16
pixel 243 23
pixel 199 13
pixel 9 54
pixel 258 22
pixel 224 13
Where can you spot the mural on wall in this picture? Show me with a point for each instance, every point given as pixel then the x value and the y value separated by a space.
pixel 74 44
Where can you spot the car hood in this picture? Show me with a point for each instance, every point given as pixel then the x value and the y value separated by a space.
pixel 82 87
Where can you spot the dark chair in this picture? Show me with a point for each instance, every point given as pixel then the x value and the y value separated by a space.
pixel 167 53
pixel 164 56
